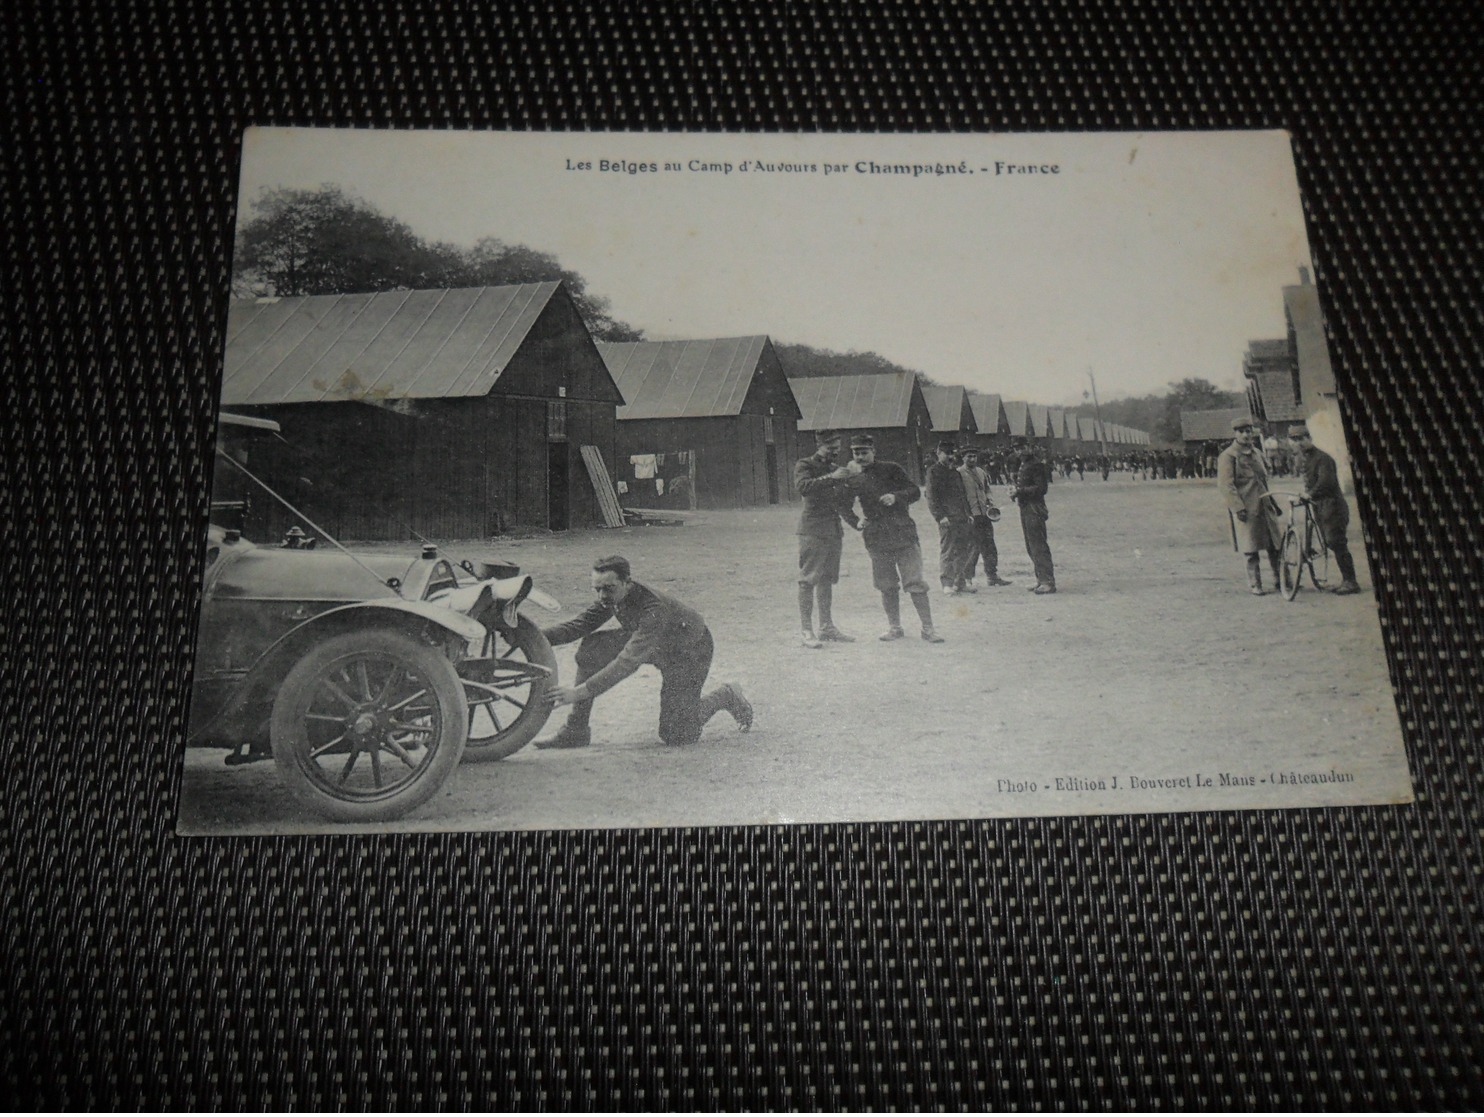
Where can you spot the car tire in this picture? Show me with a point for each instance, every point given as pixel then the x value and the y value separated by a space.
pixel 368 725
pixel 526 644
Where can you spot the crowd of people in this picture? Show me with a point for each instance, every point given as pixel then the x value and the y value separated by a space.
pixel 873 497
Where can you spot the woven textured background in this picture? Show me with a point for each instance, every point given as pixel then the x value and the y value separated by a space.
pixel 1304 958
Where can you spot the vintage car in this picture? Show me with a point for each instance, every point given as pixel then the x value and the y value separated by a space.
pixel 366 678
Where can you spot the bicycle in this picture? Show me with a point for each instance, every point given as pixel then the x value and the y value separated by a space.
pixel 1303 546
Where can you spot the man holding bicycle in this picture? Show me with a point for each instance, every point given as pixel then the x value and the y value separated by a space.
pixel 1321 480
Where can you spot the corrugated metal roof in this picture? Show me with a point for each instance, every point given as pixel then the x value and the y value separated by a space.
pixel 386 345
pixel 1039 417
pixel 1206 425
pixel 882 399
pixel 1018 412
pixel 683 379
pixel 946 406
pixel 987 408
pixel 1087 428
pixel 1056 422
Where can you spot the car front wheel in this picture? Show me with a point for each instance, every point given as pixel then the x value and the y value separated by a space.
pixel 507 694
pixel 369 725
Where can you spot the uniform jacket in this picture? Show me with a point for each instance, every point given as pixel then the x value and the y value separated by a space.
pixel 1242 480
pixel 660 630
pixel 976 490
pixel 1321 475
pixel 1031 482
pixel 1322 483
pixel 886 528
pixel 945 493
pixel 826 499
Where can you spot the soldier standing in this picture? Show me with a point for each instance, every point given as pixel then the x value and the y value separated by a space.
pixel 984 512
pixel 885 491
pixel 949 505
pixel 1242 480
pixel 827 500
pixel 1031 483
pixel 1331 511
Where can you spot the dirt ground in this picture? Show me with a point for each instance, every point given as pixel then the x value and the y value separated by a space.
pixel 1151 672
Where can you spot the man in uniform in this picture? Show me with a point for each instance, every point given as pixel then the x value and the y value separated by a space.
pixel 949 505
pixel 981 508
pixel 654 628
pixel 827 500
pixel 1321 480
pixel 1032 480
pixel 884 491
pixel 1242 480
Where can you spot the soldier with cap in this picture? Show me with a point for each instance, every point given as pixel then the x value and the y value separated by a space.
pixel 1242 480
pixel 1032 480
pixel 1321 479
pixel 884 491
pixel 949 504
pixel 653 628
pixel 982 509
pixel 827 500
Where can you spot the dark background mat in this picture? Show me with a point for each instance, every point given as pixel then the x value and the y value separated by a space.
pixel 1321 958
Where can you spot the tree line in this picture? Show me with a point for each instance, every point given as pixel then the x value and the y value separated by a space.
pixel 331 242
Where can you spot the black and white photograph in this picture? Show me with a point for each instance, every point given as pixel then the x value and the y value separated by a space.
pixel 584 480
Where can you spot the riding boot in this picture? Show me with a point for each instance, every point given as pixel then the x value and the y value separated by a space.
pixel 925 615
pixel 806 607
pixel 891 602
pixel 1254 574
pixel 824 597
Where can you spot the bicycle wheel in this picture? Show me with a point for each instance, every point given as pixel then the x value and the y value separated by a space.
pixel 1317 553
pixel 1293 564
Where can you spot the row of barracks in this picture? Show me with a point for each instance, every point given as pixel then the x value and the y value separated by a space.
pixel 465 413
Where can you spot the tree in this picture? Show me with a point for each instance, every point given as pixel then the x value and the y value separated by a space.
pixel 1191 394
pixel 325 241
pixel 805 361
pixel 329 242
pixel 492 262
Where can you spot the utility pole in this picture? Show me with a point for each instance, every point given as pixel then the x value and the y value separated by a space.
pixel 1098 412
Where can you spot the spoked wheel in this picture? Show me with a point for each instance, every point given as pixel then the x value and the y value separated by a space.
pixel 368 725
pixel 1318 558
pixel 1293 563
pixel 507 694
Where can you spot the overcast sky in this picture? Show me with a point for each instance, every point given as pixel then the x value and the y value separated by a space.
pixel 1146 257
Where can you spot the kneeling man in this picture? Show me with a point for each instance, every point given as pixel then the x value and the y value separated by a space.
pixel 655 629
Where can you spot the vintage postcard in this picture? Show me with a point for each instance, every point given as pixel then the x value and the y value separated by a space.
pixel 632 480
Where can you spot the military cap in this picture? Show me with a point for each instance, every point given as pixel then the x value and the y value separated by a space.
pixel 862 440
pixel 1242 423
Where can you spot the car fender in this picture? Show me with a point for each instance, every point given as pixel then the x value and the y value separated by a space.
pixel 258 686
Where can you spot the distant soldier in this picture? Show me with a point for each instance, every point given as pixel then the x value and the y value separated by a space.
pixel 826 494
pixel 1331 511
pixel 1242 480
pixel 1031 483
pixel 982 509
pixel 949 505
pixel 654 628
pixel 885 491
